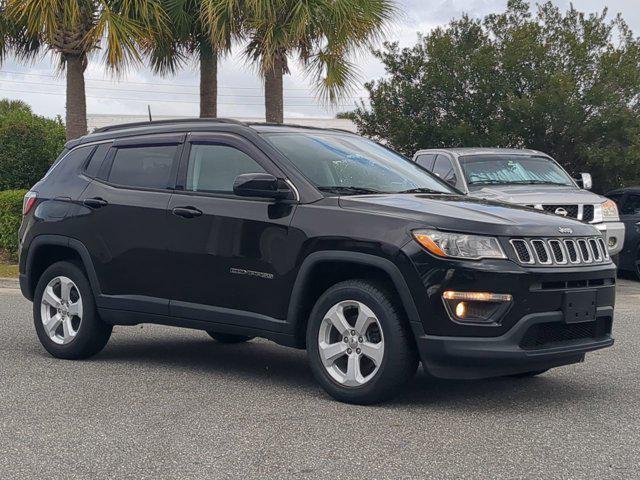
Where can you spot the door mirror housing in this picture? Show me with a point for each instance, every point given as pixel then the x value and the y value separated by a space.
pixel 262 185
pixel 585 181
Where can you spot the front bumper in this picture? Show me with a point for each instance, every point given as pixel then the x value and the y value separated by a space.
pixel 513 352
pixel 614 235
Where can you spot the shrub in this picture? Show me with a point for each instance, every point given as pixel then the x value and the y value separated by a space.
pixel 28 145
pixel 10 218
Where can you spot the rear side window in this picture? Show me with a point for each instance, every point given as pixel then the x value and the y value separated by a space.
pixel 93 167
pixel 214 168
pixel 71 159
pixel 426 160
pixel 145 167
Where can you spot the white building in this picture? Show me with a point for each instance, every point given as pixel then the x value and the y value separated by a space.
pixel 102 120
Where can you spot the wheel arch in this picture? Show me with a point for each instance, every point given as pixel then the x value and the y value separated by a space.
pixel 45 250
pixel 309 284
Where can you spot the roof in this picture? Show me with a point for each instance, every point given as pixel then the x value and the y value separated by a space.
pixel 187 124
pixel 484 151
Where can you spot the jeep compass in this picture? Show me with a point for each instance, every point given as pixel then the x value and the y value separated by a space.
pixel 311 238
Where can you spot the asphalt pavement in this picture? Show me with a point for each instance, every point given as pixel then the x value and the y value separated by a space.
pixel 162 402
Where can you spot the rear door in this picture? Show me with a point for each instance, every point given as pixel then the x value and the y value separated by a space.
pixel 127 203
pixel 630 215
pixel 231 254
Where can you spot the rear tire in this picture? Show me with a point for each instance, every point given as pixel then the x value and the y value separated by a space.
pixel 65 315
pixel 228 337
pixel 378 356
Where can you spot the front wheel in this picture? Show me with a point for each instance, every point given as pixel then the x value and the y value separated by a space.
pixel 65 316
pixel 360 348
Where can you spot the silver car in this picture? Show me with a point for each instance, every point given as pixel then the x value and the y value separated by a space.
pixel 525 177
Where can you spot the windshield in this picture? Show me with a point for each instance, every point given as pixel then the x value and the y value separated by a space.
pixel 350 165
pixel 512 170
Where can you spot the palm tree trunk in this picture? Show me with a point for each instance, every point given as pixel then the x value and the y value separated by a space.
pixel 76 115
pixel 208 84
pixel 273 92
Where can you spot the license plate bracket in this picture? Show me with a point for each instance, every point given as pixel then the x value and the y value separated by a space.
pixel 580 306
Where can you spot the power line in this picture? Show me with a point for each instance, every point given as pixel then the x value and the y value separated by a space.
pixel 21 82
pixel 103 97
pixel 146 83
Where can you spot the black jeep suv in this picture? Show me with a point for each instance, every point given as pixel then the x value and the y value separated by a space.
pixel 314 239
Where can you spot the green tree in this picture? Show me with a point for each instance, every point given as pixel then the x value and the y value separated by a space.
pixel 322 34
pixel 75 29
pixel 30 144
pixel 191 36
pixel 566 83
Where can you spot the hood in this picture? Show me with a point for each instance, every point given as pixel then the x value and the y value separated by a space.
pixel 466 214
pixel 537 194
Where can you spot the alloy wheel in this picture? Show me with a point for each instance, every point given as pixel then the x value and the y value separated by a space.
pixel 350 343
pixel 61 310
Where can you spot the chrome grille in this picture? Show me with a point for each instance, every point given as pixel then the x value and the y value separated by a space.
pixel 560 251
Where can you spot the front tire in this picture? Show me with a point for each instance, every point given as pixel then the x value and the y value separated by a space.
pixel 65 315
pixel 359 345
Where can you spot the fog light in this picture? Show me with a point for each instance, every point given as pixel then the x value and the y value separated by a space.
pixel 613 241
pixel 476 307
pixel 461 309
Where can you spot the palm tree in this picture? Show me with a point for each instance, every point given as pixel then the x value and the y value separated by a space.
pixel 322 34
pixel 75 29
pixel 190 37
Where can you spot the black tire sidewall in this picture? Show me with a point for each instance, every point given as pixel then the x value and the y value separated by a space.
pixel 391 371
pixel 92 333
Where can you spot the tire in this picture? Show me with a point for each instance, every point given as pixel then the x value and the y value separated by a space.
pixel 228 337
pixel 533 373
pixel 637 272
pixel 77 332
pixel 349 374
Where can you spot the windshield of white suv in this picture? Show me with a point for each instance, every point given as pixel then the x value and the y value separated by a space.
pixel 503 169
pixel 350 165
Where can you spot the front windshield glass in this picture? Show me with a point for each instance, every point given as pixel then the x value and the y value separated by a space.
pixel 347 164
pixel 512 170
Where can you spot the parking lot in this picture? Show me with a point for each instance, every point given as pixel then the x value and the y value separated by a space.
pixel 168 403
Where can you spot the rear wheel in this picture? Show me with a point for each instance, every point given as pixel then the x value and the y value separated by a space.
pixel 359 346
pixel 65 316
pixel 228 337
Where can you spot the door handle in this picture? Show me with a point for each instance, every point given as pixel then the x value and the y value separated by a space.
pixel 186 212
pixel 95 202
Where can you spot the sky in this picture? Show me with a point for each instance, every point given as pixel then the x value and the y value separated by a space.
pixel 240 88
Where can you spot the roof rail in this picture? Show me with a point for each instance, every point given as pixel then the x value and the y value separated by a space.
pixel 123 126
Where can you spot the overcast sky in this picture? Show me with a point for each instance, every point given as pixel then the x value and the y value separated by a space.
pixel 240 92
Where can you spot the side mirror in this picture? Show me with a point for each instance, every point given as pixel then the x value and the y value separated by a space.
pixel 262 185
pixel 585 181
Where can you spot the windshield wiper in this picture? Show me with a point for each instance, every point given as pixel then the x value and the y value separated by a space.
pixel 423 190
pixel 516 182
pixel 349 190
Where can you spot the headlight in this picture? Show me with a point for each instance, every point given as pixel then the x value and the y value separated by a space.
pixel 610 211
pixel 459 245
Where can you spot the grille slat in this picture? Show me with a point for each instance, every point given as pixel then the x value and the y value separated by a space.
pixel 560 251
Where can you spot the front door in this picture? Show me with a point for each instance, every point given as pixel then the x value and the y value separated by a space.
pixel 229 254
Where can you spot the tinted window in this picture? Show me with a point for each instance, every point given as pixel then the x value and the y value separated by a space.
pixel 631 205
pixel 147 167
pixel 214 168
pixel 97 158
pixel 348 164
pixel 73 159
pixel 444 169
pixel 426 161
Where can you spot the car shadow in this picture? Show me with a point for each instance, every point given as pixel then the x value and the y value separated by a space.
pixel 264 363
